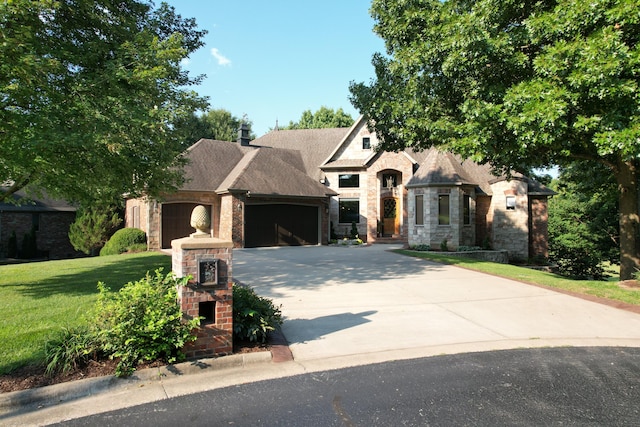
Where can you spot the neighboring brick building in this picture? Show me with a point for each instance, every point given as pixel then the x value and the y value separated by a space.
pixel 292 187
pixel 51 220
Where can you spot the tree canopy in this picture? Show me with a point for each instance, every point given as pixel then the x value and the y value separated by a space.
pixel 518 84
pixel 323 118
pixel 90 91
pixel 217 124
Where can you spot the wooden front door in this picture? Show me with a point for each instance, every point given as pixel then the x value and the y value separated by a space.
pixel 390 216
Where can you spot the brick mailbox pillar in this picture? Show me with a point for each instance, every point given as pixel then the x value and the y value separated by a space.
pixel 209 294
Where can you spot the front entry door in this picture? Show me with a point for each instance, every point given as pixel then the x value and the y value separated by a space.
pixel 390 217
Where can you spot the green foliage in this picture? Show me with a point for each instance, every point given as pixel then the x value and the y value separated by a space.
pixel 486 243
pixel 12 245
pixel 92 229
pixel 143 321
pixel 572 244
pixel 516 84
pixel 125 240
pixel 253 316
pixel 217 124
pixel 91 91
pixel 354 230
pixel 468 248
pixel 37 302
pixel 70 348
pixel 323 118
pixel 444 245
pixel 334 235
pixel 29 248
pixel 421 247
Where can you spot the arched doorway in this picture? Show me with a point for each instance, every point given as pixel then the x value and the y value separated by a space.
pixel 390 216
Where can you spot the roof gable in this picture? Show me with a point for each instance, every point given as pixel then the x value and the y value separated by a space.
pixel 314 145
pixel 210 162
pixel 271 171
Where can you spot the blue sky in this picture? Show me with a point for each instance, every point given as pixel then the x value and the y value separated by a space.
pixel 272 60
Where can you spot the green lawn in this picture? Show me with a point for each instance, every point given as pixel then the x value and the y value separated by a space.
pixel 605 289
pixel 37 299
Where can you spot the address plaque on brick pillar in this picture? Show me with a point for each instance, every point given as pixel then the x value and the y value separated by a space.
pixel 208 272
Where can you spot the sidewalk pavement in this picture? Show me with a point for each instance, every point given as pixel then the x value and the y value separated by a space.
pixel 348 306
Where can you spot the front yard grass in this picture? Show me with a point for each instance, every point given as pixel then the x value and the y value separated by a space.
pixel 609 289
pixel 37 299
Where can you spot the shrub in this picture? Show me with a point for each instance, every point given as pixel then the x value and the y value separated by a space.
pixel 29 245
pixel 486 243
pixel 354 231
pixel 468 248
pixel 12 246
pixel 125 240
pixel 92 229
pixel 444 245
pixel 70 349
pixel 421 247
pixel 253 316
pixel 143 322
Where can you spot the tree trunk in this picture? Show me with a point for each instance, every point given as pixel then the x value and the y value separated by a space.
pixel 627 176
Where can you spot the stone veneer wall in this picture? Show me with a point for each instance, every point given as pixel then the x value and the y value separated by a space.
pixel 511 227
pixel 213 338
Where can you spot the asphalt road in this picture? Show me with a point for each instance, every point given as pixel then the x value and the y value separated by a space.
pixel 530 387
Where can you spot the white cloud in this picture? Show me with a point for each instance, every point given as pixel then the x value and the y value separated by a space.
pixel 222 60
pixel 185 62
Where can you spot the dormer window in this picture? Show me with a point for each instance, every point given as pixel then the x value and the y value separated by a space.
pixel 366 143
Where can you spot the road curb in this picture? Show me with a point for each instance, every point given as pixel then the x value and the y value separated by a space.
pixel 59 393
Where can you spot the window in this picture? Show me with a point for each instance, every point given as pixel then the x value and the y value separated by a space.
pixel 366 143
pixel 349 211
pixel 420 209
pixel 466 207
pixel 443 209
pixel 349 181
pixel 511 203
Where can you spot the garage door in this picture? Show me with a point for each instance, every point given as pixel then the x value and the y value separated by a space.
pixel 280 225
pixel 175 221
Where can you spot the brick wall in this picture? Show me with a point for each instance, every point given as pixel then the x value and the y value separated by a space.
pixel 539 233
pixel 214 337
pixel 52 236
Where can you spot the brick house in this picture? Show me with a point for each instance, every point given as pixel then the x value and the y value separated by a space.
pixel 292 187
pixel 50 218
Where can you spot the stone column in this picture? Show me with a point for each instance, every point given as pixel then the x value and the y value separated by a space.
pixel 208 261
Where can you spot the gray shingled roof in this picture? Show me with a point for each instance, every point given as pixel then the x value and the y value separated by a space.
pixel 440 168
pixel 22 202
pixel 221 166
pixel 268 171
pixel 445 168
pixel 210 162
pixel 314 145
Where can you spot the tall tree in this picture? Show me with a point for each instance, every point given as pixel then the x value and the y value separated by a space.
pixel 323 118
pixel 516 83
pixel 217 124
pixel 89 94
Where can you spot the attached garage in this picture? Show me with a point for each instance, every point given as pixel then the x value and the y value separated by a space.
pixel 281 225
pixel 176 219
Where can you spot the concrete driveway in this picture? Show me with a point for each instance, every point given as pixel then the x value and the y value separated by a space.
pixel 354 305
